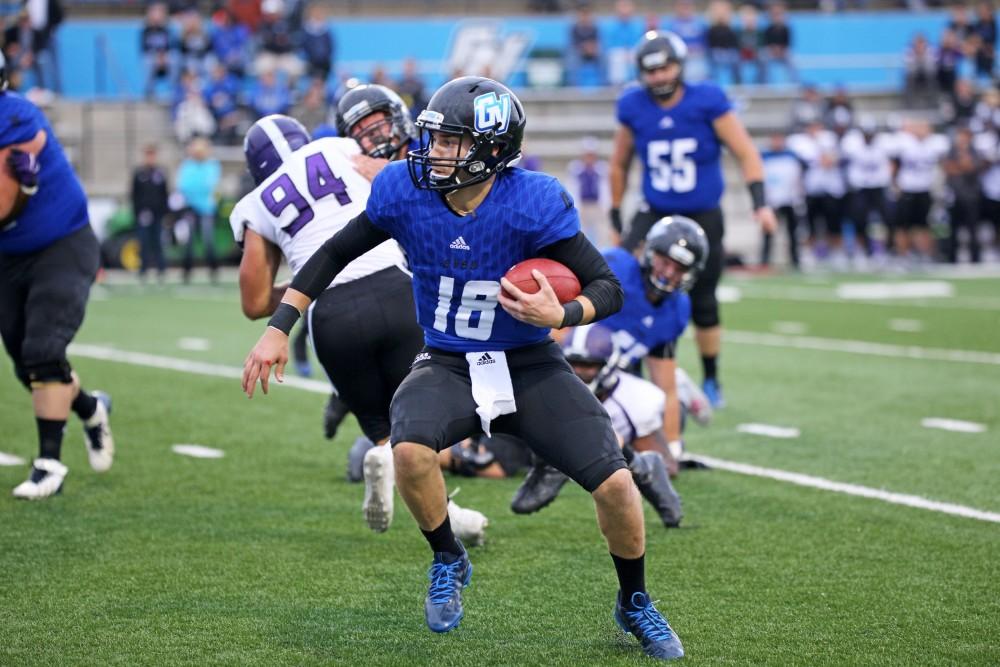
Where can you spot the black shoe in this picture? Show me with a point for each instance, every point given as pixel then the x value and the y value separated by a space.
pixel 333 414
pixel 540 487
pixel 650 474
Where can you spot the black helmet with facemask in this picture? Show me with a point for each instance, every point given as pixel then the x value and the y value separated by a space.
pixel 656 49
pixel 385 137
pixel 471 107
pixel 681 240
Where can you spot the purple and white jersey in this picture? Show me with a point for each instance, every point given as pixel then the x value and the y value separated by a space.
pixel 635 407
pixel 308 199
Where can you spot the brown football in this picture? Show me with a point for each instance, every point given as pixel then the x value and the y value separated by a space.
pixel 564 283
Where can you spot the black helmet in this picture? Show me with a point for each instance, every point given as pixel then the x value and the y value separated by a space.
pixel 659 48
pixel 359 102
pixel 476 107
pixel 682 240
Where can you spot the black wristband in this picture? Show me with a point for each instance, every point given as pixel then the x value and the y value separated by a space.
pixel 616 220
pixel 284 318
pixel 757 194
pixel 572 314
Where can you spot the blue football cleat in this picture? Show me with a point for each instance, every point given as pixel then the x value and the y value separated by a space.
pixel 643 620
pixel 713 390
pixel 449 574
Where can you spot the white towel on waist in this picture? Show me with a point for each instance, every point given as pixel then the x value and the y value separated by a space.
pixel 491 386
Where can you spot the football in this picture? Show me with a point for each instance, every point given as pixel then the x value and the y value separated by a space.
pixel 564 283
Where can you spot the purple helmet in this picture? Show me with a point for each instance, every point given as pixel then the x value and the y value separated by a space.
pixel 270 141
pixel 595 344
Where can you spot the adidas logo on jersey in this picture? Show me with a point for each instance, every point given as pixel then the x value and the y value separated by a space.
pixel 459 244
pixel 485 359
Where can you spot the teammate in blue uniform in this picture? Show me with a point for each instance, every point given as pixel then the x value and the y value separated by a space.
pixel 464 214
pixel 49 257
pixel 677 129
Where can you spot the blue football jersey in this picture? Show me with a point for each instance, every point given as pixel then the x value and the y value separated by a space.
pixel 678 147
pixel 457 261
pixel 640 326
pixel 59 208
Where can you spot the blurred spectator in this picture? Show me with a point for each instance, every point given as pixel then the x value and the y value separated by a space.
pixel 197 181
pixel 231 43
pixel 317 42
pixel 20 44
pixel 962 168
pixel 222 97
pixel 749 39
pixel 277 44
pixel 583 57
pixel 838 111
pixel 690 27
pixel 192 117
pixel 825 187
pixel 985 29
pixel 379 76
pixel 194 44
pixel 960 108
pixel 777 44
pixel 411 88
pixel 621 35
pixel 545 6
pixel 783 178
pixel 246 12
pixel 312 110
pixel 986 117
pixel 181 8
pixel 920 65
pixel 988 148
pixel 958 21
pixel 269 96
pixel 45 17
pixel 723 44
pixel 149 206
pixel 808 108
pixel 156 45
pixel 949 55
pixel 589 177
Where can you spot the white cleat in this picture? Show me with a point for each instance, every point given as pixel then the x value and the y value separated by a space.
pixel 379 480
pixel 97 434
pixel 693 398
pixel 468 525
pixel 46 480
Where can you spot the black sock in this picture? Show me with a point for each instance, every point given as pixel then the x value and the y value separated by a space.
pixel 50 436
pixel 631 576
pixel 84 405
pixel 708 366
pixel 443 539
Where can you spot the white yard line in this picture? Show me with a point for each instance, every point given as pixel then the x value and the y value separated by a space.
pixel 850 489
pixel 862 347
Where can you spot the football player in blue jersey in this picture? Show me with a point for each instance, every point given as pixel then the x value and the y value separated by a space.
pixel 463 214
pixel 49 257
pixel 677 129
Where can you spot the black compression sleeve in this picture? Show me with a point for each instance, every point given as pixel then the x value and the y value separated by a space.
pixel 355 239
pixel 599 282
pixel 664 350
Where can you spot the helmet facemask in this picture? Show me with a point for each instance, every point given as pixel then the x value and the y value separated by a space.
pixel 476 164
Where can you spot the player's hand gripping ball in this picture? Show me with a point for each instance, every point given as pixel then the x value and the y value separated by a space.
pixel 564 283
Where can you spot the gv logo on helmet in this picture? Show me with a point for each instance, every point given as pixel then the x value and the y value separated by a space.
pixel 492 113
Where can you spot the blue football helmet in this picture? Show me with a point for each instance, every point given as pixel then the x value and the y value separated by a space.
pixel 269 142
pixel 594 344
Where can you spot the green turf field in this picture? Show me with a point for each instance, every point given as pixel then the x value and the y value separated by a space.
pixel 262 557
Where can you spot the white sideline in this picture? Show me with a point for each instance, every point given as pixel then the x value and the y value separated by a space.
pixel 218 370
pixel 849 489
pixel 174 364
pixel 861 347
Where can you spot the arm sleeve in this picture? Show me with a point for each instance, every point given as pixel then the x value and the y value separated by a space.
pixel 355 239
pixel 599 282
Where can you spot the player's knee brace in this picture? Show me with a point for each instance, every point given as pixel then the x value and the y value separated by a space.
pixel 49 372
pixel 705 312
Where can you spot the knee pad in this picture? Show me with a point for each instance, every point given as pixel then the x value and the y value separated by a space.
pixel 49 372
pixel 22 376
pixel 705 312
